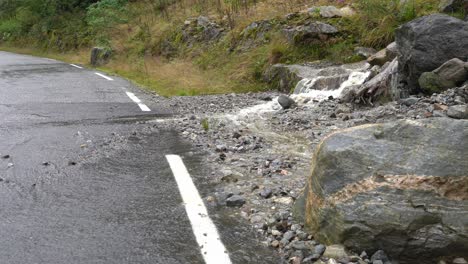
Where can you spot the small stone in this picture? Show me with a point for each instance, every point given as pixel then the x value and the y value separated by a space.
pixel 284 200
pixel 319 249
pixel 288 235
pixel 5 156
pixel 235 201
pixel 275 232
pixel 295 227
pixel 275 243
pixel 286 102
pixel 266 193
pixel 377 262
pixel 335 251
pixel 332 261
pixel 46 163
pixel 9 165
pixel 71 163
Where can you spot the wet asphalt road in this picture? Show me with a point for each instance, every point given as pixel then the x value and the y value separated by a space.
pixel 86 181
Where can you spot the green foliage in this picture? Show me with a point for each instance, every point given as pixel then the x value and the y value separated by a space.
pixel 377 20
pixel 104 16
pixel 205 124
pixel 9 29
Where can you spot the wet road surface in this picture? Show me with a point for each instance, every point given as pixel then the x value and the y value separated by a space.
pixel 84 180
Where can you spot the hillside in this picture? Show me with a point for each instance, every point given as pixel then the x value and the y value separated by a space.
pixel 161 45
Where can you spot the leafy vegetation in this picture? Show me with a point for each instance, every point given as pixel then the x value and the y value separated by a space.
pixel 148 44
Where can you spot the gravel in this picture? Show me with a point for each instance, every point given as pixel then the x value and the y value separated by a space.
pixel 262 156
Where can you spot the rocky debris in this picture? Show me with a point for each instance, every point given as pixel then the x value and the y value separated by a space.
pixel 383 56
pixel 420 49
pixel 364 52
pixel 285 101
pixel 100 56
pixel 270 151
pixel 255 34
pixel 390 183
pixel 309 33
pixel 450 74
pixel 201 30
pixel 452 6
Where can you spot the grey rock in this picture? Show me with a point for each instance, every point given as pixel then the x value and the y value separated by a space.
pixel 319 249
pixel 379 255
pixel 309 33
pixel 366 186
pixel 450 74
pixel 329 11
pixel 266 193
pixel 99 56
pixel 335 251
pixel 379 58
pixel 289 235
pixel 286 102
pixel 235 201
pixel 420 49
pixel 377 262
pixel 458 111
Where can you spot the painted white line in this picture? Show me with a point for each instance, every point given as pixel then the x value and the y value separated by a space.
pixel 76 66
pixel 205 231
pixel 133 97
pixel 144 108
pixel 103 76
pixel 137 100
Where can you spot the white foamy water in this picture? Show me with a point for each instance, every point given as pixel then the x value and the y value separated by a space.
pixel 355 78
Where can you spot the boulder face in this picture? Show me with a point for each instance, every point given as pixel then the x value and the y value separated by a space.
pixel 426 43
pixel 99 56
pixel 449 75
pixel 401 187
pixel 309 33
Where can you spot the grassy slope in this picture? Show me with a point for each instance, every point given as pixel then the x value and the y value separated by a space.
pixel 211 69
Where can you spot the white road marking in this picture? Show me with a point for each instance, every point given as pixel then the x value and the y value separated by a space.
pixel 137 100
pixel 76 66
pixel 103 76
pixel 144 108
pixel 205 231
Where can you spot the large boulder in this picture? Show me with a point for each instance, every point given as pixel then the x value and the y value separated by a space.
pixel 201 30
pixel 426 43
pixel 401 187
pixel 100 56
pixel 451 74
pixel 451 6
